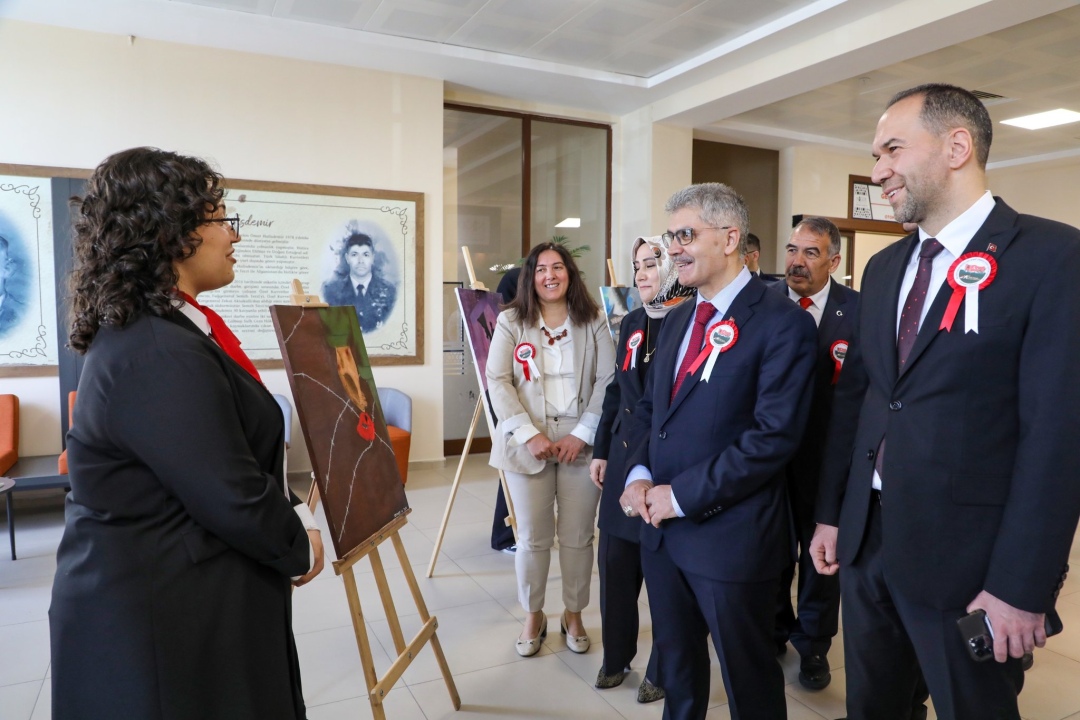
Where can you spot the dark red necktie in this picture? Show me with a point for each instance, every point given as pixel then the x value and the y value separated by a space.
pixel 704 313
pixel 805 303
pixel 911 314
pixel 224 337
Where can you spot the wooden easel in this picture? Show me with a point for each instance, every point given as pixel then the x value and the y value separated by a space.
pixel 378 688
pixel 511 519
pixel 611 271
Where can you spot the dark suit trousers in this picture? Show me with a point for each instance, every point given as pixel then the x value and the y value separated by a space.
pixel 811 631
pixel 620 585
pixel 686 609
pixel 887 638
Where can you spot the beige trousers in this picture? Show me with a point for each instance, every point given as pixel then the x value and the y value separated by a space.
pixel 535 499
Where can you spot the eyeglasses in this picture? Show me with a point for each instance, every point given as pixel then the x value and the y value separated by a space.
pixel 687 235
pixel 233 220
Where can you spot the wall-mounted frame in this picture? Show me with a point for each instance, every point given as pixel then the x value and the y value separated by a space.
pixel 866 201
pixel 303 231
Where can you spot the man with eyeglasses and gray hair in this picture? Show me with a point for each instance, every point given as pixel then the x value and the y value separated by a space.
pixel 721 416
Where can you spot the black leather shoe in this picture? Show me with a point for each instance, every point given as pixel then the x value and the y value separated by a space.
pixel 814 672
pixel 605 681
pixel 647 692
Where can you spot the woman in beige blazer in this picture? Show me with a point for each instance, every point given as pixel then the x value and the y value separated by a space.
pixel 550 361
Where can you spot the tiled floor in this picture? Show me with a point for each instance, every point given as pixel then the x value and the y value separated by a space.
pixel 473 595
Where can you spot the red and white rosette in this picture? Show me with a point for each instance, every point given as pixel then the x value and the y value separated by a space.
pixel 838 351
pixel 525 353
pixel 970 273
pixel 632 344
pixel 721 337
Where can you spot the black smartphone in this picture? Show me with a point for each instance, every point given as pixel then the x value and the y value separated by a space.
pixel 979 635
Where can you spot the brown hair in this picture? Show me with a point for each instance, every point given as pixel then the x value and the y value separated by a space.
pixel 138 217
pixel 582 308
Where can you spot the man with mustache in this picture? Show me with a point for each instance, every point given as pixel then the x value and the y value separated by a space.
pixel 813 254
pixel 949 482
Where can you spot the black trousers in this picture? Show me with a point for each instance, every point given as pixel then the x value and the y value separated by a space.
pixel 686 610
pixel 619 562
pixel 813 626
pixel 888 639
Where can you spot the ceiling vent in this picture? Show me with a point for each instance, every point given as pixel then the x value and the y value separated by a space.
pixel 989 98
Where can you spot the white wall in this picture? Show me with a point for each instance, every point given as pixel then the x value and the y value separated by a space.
pixel 71 98
pixel 1047 190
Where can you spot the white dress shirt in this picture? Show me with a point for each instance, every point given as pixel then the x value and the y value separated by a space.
pixel 954 237
pixel 818 300
pixel 721 301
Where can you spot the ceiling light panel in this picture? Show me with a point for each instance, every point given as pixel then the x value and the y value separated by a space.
pixel 1050 118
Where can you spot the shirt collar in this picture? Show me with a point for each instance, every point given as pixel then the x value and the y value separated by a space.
pixel 819 298
pixel 722 300
pixel 956 235
pixel 193 314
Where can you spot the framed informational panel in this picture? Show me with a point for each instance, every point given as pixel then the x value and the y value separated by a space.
pixel 28 319
pixel 356 247
pixel 866 201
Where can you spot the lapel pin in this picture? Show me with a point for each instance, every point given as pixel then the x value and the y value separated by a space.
pixel 991 248
pixel 839 313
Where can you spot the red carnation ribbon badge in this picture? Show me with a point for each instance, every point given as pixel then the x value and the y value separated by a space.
pixel 968 275
pixel 721 338
pixel 838 351
pixel 632 344
pixel 525 353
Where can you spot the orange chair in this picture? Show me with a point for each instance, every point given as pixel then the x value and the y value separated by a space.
pixel 9 432
pixel 397 411
pixel 61 462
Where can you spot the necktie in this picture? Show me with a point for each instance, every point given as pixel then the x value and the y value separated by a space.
pixel 910 316
pixel 704 313
pixel 224 337
pixel 360 290
pixel 805 303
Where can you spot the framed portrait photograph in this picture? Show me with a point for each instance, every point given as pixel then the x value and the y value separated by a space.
pixel 27 279
pixel 353 247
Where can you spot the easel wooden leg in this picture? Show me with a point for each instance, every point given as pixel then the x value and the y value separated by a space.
pixel 421 606
pixel 454 487
pixel 387 600
pixel 364 643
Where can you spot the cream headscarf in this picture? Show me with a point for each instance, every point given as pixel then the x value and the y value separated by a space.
pixel 671 292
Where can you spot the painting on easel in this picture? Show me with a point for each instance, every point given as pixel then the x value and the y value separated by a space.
pixel 618 302
pixel 343 424
pixel 479 313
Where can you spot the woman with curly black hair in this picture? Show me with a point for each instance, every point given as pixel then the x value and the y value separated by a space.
pixel 172 590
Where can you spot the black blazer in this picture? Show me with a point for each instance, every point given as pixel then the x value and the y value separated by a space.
pixel 838 320
pixel 980 472
pixel 723 445
pixel 613 433
pixel 172 596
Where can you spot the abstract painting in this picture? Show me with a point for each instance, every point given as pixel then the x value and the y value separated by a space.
pixel 338 407
pixel 479 313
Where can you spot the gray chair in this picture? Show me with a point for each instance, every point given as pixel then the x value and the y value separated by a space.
pixel 286 411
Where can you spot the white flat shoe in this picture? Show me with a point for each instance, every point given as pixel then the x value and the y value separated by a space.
pixel 528 648
pixel 576 643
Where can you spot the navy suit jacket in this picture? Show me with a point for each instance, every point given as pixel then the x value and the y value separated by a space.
pixel 723 445
pixel 612 441
pixel 979 478
pixel 838 319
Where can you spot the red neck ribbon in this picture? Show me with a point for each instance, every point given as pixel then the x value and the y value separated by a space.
pixel 223 336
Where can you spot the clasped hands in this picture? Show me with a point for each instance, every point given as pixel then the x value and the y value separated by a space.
pixel 651 502
pixel 564 451
pixel 1016 631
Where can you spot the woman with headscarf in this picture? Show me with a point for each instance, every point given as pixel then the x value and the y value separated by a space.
pixel 619 554
pixel 550 360
pixel 172 590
